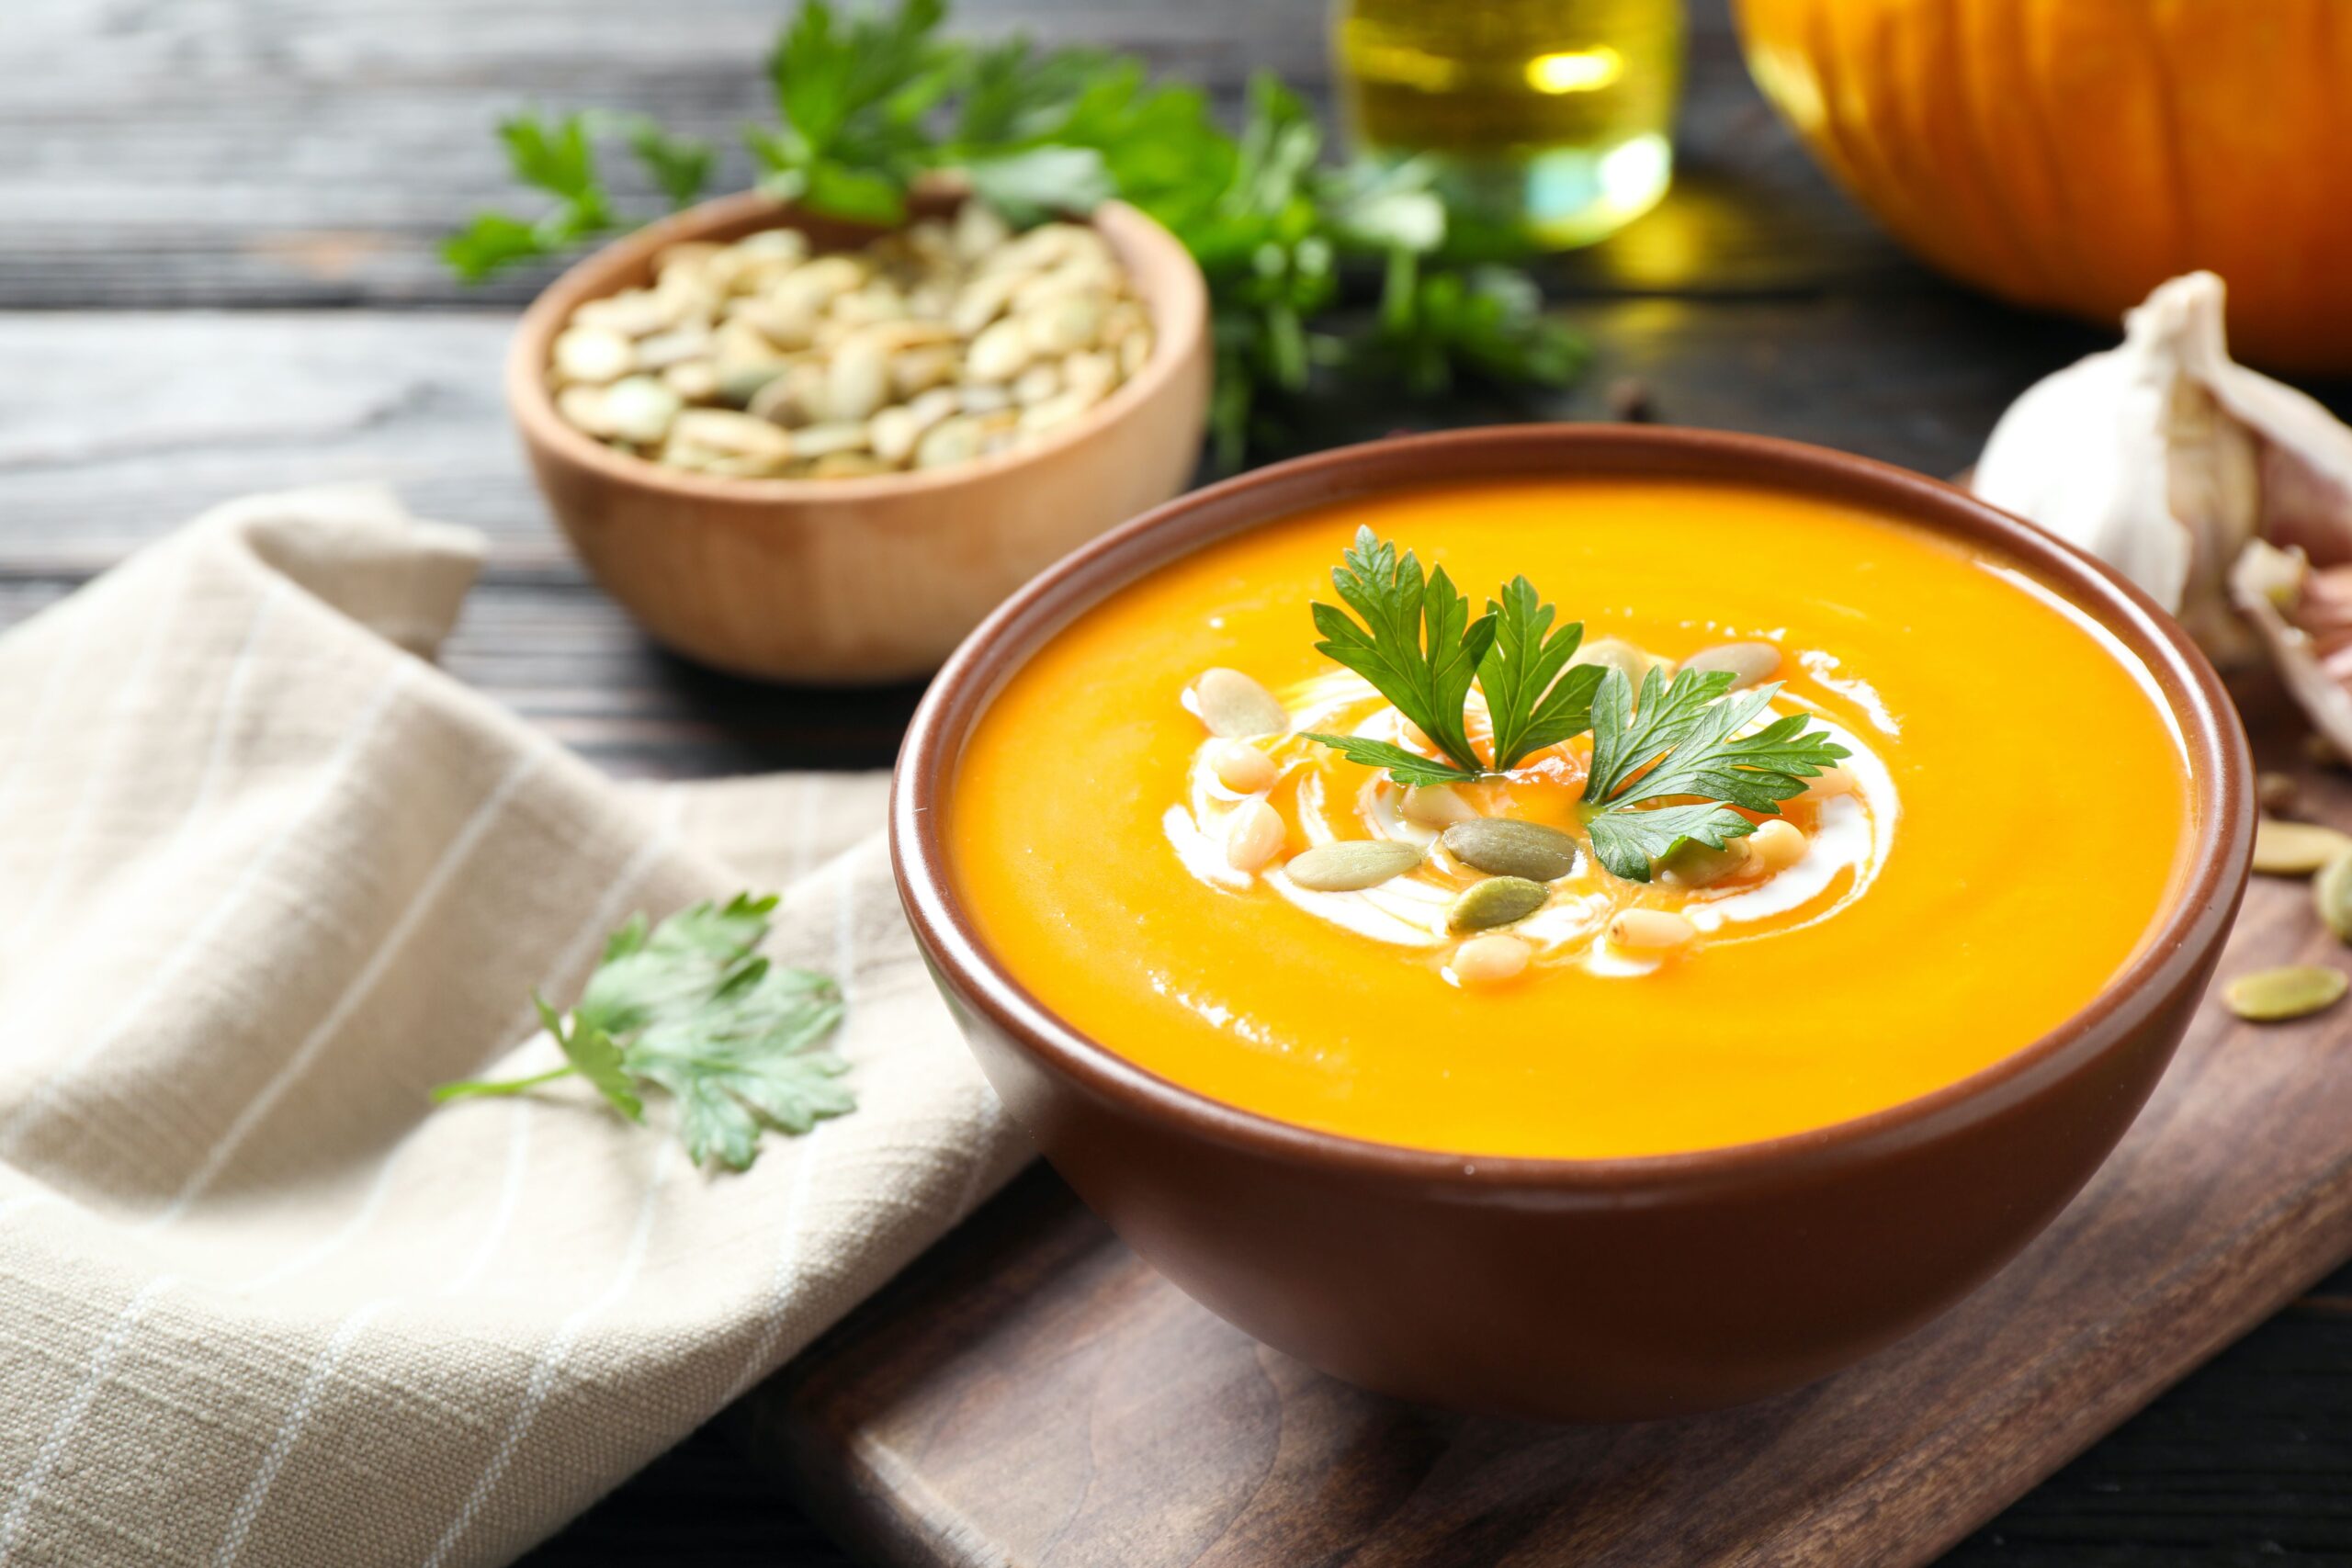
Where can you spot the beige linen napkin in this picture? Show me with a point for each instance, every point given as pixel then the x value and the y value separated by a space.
pixel 264 878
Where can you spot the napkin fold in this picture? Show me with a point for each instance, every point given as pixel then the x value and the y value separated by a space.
pixel 265 878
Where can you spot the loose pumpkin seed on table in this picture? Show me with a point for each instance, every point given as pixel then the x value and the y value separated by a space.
pixel 2295 848
pixel 2332 896
pixel 2273 996
pixel 936 344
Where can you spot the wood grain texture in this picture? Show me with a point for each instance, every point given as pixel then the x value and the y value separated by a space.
pixel 123 424
pixel 247 152
pixel 1037 1395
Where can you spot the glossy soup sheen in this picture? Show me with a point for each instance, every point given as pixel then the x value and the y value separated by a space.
pixel 2045 813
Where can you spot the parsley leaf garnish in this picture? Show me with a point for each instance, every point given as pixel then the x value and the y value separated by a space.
pixel 1417 647
pixel 1530 703
pixel 558 158
pixel 1405 767
pixel 853 94
pixel 1680 740
pixel 691 1007
pixel 680 166
pixel 1667 768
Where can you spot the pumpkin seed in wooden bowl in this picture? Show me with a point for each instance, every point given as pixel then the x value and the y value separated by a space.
pixel 894 492
pixel 839 351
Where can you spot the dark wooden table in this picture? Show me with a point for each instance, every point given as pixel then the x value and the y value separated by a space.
pixel 217 275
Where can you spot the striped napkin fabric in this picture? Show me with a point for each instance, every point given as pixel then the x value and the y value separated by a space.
pixel 266 877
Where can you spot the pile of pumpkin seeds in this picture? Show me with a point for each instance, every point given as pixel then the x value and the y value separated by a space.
pixel 936 343
pixel 2286 848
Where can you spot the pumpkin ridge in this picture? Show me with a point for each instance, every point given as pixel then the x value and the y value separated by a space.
pixel 1889 198
pixel 1982 247
pixel 2031 272
pixel 2335 145
pixel 2184 212
pixel 2072 153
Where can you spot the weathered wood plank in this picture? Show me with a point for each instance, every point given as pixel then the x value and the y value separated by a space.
pixel 314 151
pixel 120 424
pixel 2248 1460
pixel 564 656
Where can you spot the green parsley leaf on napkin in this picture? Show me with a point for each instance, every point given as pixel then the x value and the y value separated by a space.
pixel 691 1007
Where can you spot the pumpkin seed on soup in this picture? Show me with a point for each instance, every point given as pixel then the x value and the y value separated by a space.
pixel 1501 846
pixel 2332 894
pixel 1436 806
pixel 2272 996
pixel 1234 707
pixel 2295 848
pixel 1497 901
pixel 1749 662
pixel 1352 866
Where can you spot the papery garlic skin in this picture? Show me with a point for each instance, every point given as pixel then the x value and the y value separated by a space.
pixel 2082 454
pixel 2304 617
pixel 2165 458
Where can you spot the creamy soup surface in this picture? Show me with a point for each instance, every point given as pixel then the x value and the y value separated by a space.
pixel 2015 814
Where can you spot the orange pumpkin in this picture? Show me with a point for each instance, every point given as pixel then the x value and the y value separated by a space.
pixel 2074 154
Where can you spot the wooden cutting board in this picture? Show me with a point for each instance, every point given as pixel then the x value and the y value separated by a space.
pixel 1033 1394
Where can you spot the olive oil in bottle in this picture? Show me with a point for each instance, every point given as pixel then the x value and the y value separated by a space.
pixel 1549 117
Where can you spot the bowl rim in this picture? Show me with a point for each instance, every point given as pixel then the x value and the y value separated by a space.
pixel 1180 324
pixel 2169 958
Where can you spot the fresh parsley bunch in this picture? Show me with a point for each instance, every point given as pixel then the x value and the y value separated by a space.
pixel 690 1007
pixel 1667 766
pixel 868 103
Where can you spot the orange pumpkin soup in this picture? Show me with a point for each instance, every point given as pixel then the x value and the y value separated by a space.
pixel 1290 930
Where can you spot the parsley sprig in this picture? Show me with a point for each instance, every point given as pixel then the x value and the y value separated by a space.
pixel 1533 699
pixel 1687 734
pixel 1417 646
pixel 1667 766
pixel 869 103
pixel 558 156
pixel 1419 649
pixel 692 1008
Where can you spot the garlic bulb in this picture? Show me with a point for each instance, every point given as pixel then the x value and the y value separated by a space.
pixel 2166 460
pixel 2226 495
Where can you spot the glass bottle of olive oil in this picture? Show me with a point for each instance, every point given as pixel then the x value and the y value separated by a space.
pixel 1551 118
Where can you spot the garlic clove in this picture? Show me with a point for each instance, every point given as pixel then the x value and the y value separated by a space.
pixel 2304 615
pixel 2081 454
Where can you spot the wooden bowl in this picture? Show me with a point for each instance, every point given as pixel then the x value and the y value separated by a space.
pixel 857 580
pixel 1601 1289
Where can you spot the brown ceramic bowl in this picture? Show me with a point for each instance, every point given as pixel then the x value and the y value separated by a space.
pixel 857 580
pixel 1580 1289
